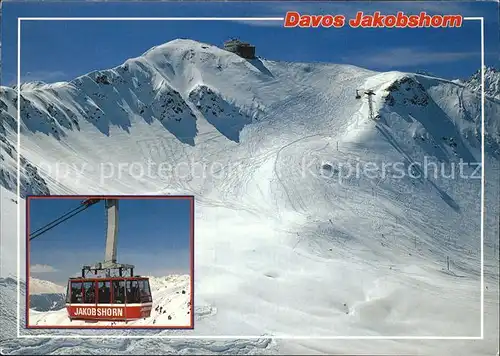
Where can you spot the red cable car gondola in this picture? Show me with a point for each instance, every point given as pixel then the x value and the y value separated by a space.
pixel 109 298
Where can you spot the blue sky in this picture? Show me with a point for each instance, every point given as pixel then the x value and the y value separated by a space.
pixel 153 235
pixel 62 50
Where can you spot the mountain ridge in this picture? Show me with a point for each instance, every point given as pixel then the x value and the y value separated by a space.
pixel 177 84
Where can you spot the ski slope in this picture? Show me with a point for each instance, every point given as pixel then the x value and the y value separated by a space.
pixel 287 242
pixel 171 294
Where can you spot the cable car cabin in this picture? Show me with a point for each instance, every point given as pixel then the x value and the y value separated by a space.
pixel 108 299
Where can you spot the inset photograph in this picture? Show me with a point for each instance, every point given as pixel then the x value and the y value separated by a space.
pixel 110 262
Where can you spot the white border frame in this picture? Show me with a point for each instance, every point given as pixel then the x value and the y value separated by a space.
pixel 231 337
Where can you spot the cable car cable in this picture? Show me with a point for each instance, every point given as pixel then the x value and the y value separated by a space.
pixel 58 221
pixel 54 221
pixel 47 228
pixel 85 202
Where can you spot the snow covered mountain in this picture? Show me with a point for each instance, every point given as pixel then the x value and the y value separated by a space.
pixel 295 235
pixel 40 286
pixel 8 309
pixel 45 295
pixel 491 82
pixel 172 88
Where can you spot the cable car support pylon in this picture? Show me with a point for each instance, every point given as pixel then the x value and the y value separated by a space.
pixel 110 262
pixel 369 93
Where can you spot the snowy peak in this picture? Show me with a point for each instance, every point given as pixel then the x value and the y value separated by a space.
pixel 166 281
pixel 491 82
pixel 154 86
pixel 159 86
pixel 407 91
pixel 134 90
pixel 39 286
pixel 45 295
pixel 180 50
pixel 184 52
pixel 50 297
pixel 221 112
pixel 445 109
pixel 187 90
